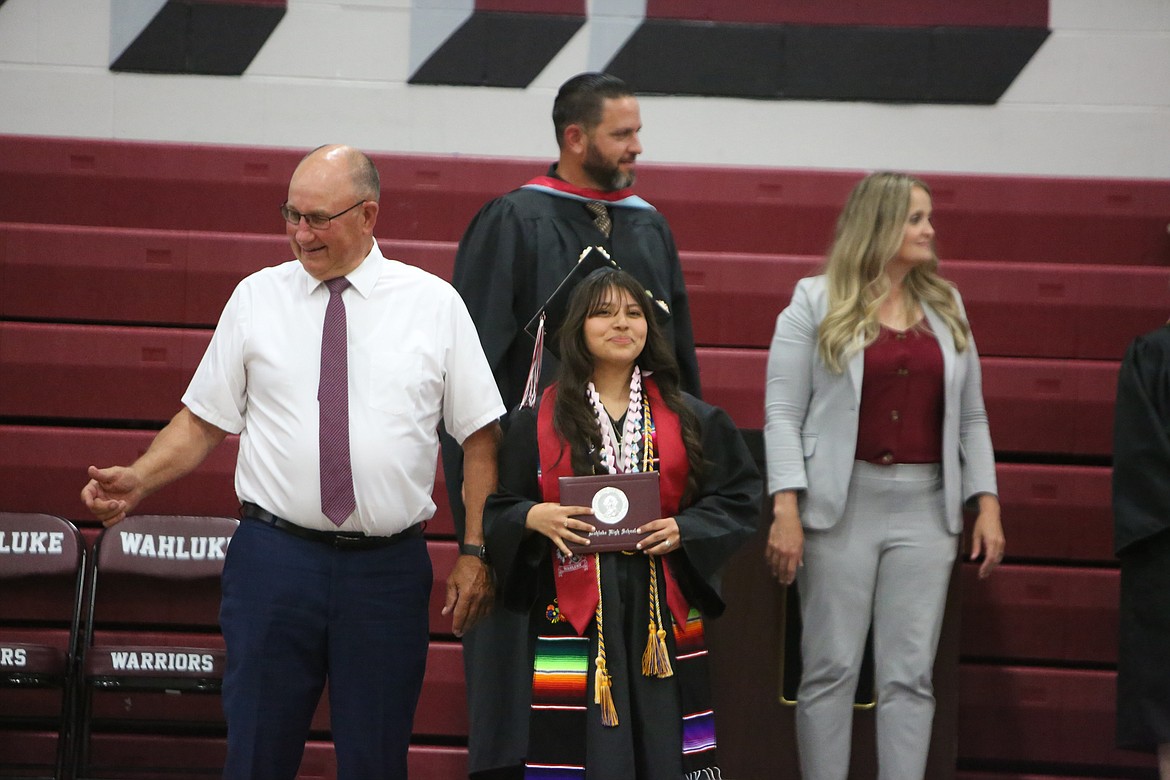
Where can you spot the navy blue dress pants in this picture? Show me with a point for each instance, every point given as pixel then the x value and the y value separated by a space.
pixel 297 612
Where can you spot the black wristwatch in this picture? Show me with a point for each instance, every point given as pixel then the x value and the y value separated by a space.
pixel 478 550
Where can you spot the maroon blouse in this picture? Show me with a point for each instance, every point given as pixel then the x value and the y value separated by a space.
pixel 902 398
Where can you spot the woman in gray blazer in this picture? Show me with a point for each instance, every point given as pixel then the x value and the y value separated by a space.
pixel 876 438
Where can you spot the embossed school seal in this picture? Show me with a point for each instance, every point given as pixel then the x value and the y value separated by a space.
pixel 610 505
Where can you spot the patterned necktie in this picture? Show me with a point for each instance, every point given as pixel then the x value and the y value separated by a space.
pixel 337 498
pixel 600 216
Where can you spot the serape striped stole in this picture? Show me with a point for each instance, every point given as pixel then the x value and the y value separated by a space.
pixel 560 683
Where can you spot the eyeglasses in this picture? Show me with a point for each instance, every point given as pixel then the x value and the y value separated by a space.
pixel 316 221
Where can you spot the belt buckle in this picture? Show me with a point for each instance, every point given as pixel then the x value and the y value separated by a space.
pixel 344 541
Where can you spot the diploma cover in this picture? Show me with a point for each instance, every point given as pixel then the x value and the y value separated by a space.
pixel 620 502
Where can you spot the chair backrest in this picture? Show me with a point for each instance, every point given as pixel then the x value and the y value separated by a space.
pixel 153 631
pixel 42 564
pixel 160 570
pixel 41 557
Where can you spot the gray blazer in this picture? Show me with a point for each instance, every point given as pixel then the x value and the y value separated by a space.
pixel 811 416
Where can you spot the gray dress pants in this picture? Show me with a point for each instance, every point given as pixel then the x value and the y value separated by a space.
pixel 888 560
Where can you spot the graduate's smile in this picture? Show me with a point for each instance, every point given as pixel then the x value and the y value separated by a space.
pixel 615 330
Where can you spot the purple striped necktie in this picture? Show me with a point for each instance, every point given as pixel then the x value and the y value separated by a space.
pixel 337 498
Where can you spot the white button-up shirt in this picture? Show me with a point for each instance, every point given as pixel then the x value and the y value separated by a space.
pixel 414 357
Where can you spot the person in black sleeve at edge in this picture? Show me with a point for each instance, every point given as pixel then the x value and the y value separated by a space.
pixel 1141 540
pixel 513 256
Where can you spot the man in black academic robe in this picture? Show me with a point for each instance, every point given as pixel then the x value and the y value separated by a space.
pixel 1141 518
pixel 513 256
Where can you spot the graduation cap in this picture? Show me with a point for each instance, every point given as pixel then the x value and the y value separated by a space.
pixel 551 315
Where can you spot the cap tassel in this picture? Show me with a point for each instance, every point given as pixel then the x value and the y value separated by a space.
pixel 655 659
pixel 532 384
pixel 602 683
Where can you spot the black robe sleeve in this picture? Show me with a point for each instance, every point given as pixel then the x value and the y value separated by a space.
pixel 683 334
pixel 516 555
pixel 484 276
pixel 725 514
pixel 1141 441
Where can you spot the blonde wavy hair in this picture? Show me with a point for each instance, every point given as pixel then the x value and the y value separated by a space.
pixel 869 234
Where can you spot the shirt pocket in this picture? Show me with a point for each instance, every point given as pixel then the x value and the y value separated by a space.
pixel 395 381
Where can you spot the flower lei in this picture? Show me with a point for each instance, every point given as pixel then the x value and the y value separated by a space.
pixel 628 448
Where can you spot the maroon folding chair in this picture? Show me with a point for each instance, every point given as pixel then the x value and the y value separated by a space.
pixel 153 640
pixel 41 574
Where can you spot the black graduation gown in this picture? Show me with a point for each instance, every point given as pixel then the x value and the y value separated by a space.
pixel 1141 441
pixel 1141 517
pixel 521 245
pixel 513 255
pixel 712 528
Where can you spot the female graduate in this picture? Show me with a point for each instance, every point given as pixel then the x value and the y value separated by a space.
pixel 620 685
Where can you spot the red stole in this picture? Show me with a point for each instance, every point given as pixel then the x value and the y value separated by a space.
pixel 576 578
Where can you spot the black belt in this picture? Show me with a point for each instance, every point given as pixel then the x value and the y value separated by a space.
pixel 341 540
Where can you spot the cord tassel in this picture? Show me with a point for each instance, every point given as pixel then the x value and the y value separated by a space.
pixel 655 658
pixel 660 659
pixel 603 694
pixel 602 682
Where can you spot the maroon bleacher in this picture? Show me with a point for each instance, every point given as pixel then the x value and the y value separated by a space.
pixel 71 273
pixel 66 273
pixel 1042 614
pixel 711 208
pixel 1035 310
pixel 1037 714
pixel 1055 513
pixel 1050 406
pixel 1073 310
pixel 77 372
pixel 107 297
pixel 47 467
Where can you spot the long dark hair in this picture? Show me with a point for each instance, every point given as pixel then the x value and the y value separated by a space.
pixel 573 417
